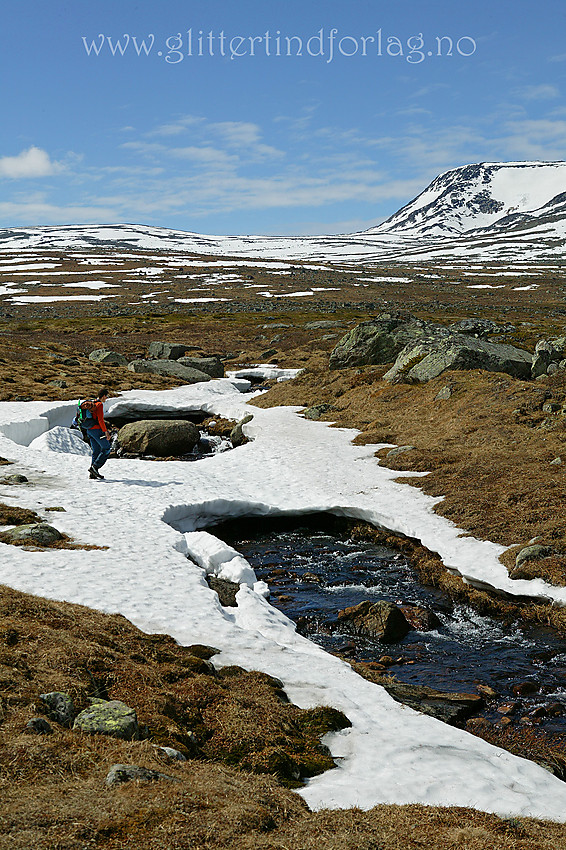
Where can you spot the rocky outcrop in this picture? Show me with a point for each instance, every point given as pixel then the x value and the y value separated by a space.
pixel 212 366
pixel 422 350
pixel 382 620
pixel 427 358
pixel 378 341
pixel 107 357
pixel 111 717
pixel 159 437
pixel 170 369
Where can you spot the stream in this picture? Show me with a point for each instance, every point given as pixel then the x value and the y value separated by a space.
pixel 314 570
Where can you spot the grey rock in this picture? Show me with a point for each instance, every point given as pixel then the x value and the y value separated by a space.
pixel 58 383
pixel 420 618
pixel 444 394
pixel 166 350
pixel 424 360
pixel 60 707
pixel 532 553
pixel 71 361
pixel 38 533
pixel 553 368
pixel 317 411
pixel 107 357
pixel 377 341
pixel 237 436
pixel 399 450
pixel 16 478
pixel 39 726
pixel 324 325
pixel 120 773
pixel 170 369
pixel 556 462
pixel 278 325
pixel 112 718
pixel 159 437
pixel 212 366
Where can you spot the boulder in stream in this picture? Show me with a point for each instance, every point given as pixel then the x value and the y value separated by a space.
pixel 378 619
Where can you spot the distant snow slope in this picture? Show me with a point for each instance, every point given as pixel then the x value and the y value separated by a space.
pixel 488 212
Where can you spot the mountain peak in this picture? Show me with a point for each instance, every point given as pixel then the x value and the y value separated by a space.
pixel 477 196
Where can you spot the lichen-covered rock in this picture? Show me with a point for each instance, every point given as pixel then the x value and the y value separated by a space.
pixel 60 707
pixel 159 437
pixel 107 357
pixel 212 366
pixel 166 350
pixel 112 718
pixel 378 619
pixel 169 369
pixel 427 358
pixel 38 533
pixel 532 553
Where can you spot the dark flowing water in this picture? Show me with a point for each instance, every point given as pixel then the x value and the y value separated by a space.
pixel 314 573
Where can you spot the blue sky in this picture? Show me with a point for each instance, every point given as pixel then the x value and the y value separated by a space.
pixel 261 139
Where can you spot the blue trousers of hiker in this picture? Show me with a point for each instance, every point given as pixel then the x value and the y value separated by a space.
pixel 100 446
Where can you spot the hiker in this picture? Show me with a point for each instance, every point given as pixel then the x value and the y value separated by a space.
pixel 92 420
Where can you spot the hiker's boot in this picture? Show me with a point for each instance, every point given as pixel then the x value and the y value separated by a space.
pixel 94 473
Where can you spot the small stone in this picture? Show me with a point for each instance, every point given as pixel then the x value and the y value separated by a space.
pixel 58 383
pixel 71 361
pixel 398 451
pixel 444 394
pixel 38 726
pixel 539 711
pixel 504 721
pixel 487 691
pixel 171 753
pixel 237 435
pixel 507 708
pixel 56 508
pixel 120 773
pixel 556 462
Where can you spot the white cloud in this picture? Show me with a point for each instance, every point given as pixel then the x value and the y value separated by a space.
pixel 545 91
pixel 33 162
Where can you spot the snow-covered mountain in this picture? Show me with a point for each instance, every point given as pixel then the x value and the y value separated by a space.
pixel 489 212
pixel 481 196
